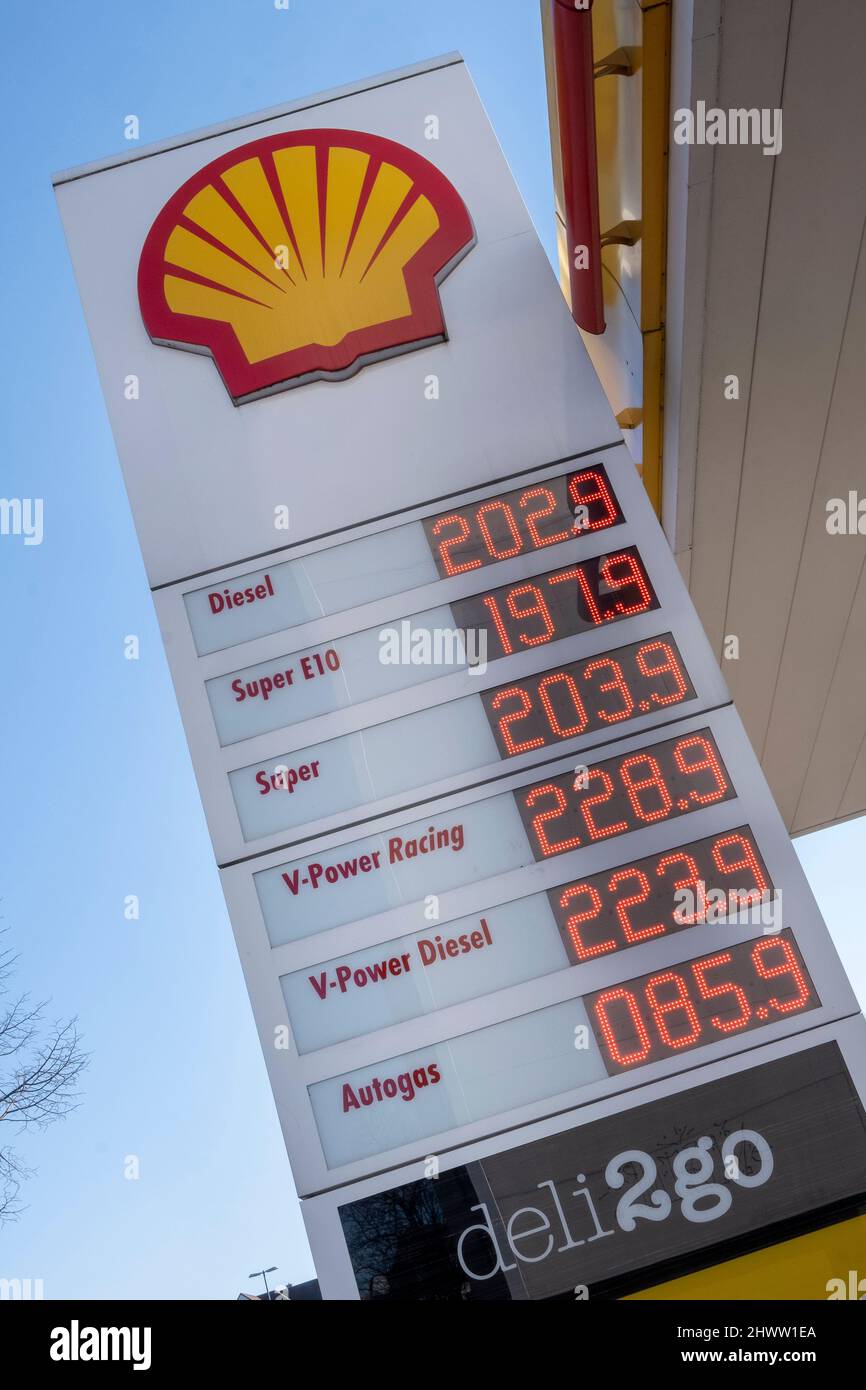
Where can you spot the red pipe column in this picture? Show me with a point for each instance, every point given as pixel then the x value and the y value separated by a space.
pixel 575 97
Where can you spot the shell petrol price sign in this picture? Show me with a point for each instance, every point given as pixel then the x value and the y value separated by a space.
pixel 494 844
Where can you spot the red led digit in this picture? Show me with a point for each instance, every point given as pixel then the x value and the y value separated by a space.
pixel 634 785
pixel 662 1007
pixel 692 1004
pixel 600 832
pixel 633 575
pixel 667 666
pixel 490 543
pixel 582 951
pixel 515 717
pixel 789 966
pixel 595 613
pixel 617 682
pixel 554 813
pixel 632 935
pixel 693 882
pixel 584 488
pixel 570 730
pixel 522 519
pixel 537 608
pixel 622 1059
pixel 532 517
pixel 493 607
pixel 745 860
pixel 715 991
pixel 708 763
pixel 446 546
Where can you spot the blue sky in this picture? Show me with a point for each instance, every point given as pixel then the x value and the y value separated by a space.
pixel 99 798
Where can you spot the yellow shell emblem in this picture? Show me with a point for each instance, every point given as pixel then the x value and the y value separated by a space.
pixel 303 255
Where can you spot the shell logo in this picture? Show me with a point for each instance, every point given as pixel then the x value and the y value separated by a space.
pixel 303 255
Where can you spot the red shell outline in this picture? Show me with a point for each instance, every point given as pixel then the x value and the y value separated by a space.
pixel 423 273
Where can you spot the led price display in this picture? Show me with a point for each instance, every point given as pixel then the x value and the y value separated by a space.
pixel 587 695
pixel 525 519
pixel 625 793
pixel 637 901
pixel 563 603
pixel 718 996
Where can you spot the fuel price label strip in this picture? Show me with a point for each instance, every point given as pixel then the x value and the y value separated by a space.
pixel 684 1173
pixel 528 596
pixel 556 954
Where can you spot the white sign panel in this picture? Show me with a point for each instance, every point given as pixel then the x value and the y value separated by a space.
pixel 490 832
pixel 453 1083
pixel 422 972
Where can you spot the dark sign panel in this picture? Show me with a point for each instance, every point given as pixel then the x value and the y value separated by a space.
pixel 605 1208
pixel 582 696
pixel 626 793
pixel 697 1002
pixel 563 603
pixel 523 520
pixel 724 874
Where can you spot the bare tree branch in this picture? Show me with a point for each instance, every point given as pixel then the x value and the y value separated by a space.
pixel 40 1085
